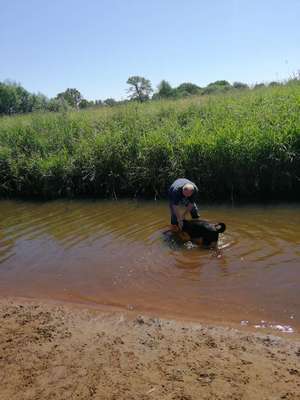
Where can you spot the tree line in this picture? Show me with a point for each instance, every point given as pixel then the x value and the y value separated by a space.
pixel 14 99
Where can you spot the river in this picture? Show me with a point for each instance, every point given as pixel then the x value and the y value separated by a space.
pixel 118 253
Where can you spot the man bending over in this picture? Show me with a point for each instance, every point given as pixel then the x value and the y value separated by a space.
pixel 182 192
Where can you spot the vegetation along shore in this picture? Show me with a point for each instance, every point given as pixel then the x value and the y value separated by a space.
pixel 237 145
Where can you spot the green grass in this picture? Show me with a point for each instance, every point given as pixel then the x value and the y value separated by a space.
pixel 243 145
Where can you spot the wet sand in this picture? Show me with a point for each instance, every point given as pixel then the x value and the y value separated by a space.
pixel 62 351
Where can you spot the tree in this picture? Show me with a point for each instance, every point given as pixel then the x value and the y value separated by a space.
pixel 72 96
pixel 8 99
pixel 220 83
pixel 259 86
pixel 14 98
pixel 165 90
pixel 188 88
pixel 274 83
pixel 240 85
pixel 110 102
pixel 140 88
pixel 58 105
pixel 85 104
pixel 217 87
pixel 39 102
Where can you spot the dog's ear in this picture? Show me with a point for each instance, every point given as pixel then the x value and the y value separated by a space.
pixel 220 227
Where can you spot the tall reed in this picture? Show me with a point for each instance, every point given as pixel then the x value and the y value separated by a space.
pixel 242 145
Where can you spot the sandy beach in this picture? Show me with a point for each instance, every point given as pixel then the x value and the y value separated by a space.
pixel 63 351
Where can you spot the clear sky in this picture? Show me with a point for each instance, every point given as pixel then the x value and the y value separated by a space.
pixel 95 45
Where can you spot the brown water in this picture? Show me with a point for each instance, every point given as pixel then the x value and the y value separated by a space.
pixel 116 253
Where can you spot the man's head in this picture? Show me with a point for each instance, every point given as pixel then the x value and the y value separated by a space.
pixel 188 190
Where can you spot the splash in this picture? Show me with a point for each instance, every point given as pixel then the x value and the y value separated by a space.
pixel 281 328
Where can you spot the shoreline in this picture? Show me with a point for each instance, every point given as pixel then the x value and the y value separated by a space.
pixel 56 350
pixel 133 311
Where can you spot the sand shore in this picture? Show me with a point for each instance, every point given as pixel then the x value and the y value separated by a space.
pixel 62 351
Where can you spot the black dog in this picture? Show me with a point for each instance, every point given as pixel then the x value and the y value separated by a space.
pixel 202 231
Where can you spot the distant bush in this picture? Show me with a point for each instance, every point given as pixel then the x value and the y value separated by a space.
pixel 240 85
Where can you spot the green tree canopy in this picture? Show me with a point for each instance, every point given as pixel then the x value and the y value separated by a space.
pixel 220 83
pixel 14 99
pixel 85 104
pixel 72 96
pixel 110 102
pixel 39 102
pixel 165 90
pixel 274 83
pixel 259 85
pixel 217 87
pixel 240 85
pixel 58 105
pixel 139 88
pixel 189 88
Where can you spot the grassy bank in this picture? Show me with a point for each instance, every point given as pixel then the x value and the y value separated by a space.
pixel 243 145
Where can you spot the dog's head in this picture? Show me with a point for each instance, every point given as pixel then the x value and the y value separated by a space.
pixel 220 227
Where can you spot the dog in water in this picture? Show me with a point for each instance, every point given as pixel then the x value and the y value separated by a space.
pixel 201 232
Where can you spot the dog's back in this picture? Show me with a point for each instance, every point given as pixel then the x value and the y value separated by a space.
pixel 197 229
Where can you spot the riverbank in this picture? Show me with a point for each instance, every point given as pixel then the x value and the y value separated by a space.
pixel 62 351
pixel 242 145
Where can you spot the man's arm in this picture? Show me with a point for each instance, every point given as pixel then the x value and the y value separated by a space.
pixel 189 208
pixel 176 211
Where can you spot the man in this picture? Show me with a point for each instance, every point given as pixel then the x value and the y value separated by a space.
pixel 182 191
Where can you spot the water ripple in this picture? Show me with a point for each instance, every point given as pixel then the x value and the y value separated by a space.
pixel 121 248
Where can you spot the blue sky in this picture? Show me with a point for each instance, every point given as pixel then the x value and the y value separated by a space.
pixel 95 45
